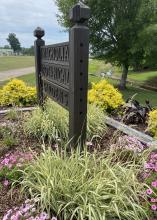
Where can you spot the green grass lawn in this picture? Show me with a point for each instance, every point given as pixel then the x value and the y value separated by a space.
pixel 28 79
pixel 142 76
pixel 98 66
pixel 15 62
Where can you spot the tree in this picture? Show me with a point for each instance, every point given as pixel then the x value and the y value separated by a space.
pixel 6 47
pixel 14 42
pixel 115 27
pixel 149 40
pixel 28 51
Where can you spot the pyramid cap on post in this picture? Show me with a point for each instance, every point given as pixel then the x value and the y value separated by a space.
pixel 79 13
pixel 39 32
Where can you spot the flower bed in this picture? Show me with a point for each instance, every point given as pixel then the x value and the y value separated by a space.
pixel 117 179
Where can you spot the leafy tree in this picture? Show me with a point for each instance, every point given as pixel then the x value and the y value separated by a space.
pixel 6 47
pixel 28 51
pixel 14 42
pixel 149 40
pixel 115 27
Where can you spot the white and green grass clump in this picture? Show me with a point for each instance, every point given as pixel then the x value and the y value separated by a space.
pixel 52 122
pixel 85 186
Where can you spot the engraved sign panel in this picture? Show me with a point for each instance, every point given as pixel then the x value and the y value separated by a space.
pixel 55 72
pixel 57 93
pixel 56 52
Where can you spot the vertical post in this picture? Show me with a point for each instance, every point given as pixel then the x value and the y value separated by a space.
pixel 39 33
pixel 78 61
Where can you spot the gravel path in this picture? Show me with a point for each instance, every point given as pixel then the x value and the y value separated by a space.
pixel 5 75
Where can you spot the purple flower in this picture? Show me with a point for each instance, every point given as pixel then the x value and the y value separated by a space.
pixel 6 183
pixel 27 211
pixel 148 166
pixel 153 200
pixel 153 207
pixel 7 216
pixel 149 191
pixel 154 184
pixel 44 216
pixel 5 161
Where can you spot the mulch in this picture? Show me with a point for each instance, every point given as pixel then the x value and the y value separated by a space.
pixel 9 199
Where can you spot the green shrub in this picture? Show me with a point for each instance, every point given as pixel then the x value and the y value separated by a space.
pixel 52 122
pixel 85 186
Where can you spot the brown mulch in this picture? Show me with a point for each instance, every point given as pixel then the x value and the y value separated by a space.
pixel 9 199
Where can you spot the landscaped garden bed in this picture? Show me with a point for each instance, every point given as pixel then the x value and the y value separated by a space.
pixel 115 175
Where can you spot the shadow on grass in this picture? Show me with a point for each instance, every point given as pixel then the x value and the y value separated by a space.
pixel 152 81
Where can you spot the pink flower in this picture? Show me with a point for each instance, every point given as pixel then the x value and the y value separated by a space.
pixel 7 216
pixel 5 161
pixel 153 200
pixel 153 207
pixel 147 166
pixel 154 184
pixel 149 191
pixel 44 215
pixel 6 183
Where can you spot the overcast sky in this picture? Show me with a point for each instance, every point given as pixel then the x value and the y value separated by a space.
pixel 23 16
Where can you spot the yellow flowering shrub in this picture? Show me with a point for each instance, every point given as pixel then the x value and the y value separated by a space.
pixel 17 93
pixel 105 95
pixel 152 122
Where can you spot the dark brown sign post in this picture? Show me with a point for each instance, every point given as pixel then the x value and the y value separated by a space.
pixel 62 72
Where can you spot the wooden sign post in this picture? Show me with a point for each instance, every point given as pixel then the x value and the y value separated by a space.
pixel 62 72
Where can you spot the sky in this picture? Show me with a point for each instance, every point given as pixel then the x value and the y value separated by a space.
pixel 23 16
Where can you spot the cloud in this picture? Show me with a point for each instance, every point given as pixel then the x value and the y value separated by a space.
pixel 22 17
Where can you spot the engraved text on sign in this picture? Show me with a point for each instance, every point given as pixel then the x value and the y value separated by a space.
pixel 55 72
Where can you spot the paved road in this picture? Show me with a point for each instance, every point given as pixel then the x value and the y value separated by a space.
pixel 5 75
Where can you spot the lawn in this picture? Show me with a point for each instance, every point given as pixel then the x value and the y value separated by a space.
pixel 98 66
pixel 15 62
pixel 142 76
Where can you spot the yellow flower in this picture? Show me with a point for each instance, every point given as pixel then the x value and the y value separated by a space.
pixel 152 122
pixel 16 92
pixel 105 95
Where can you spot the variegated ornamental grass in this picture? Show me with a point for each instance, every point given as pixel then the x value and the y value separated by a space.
pixel 86 186
pixel 52 122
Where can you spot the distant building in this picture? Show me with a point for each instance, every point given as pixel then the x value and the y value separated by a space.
pixel 6 52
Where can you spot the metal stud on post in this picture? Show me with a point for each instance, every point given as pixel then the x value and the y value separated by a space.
pixel 39 33
pixel 78 68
